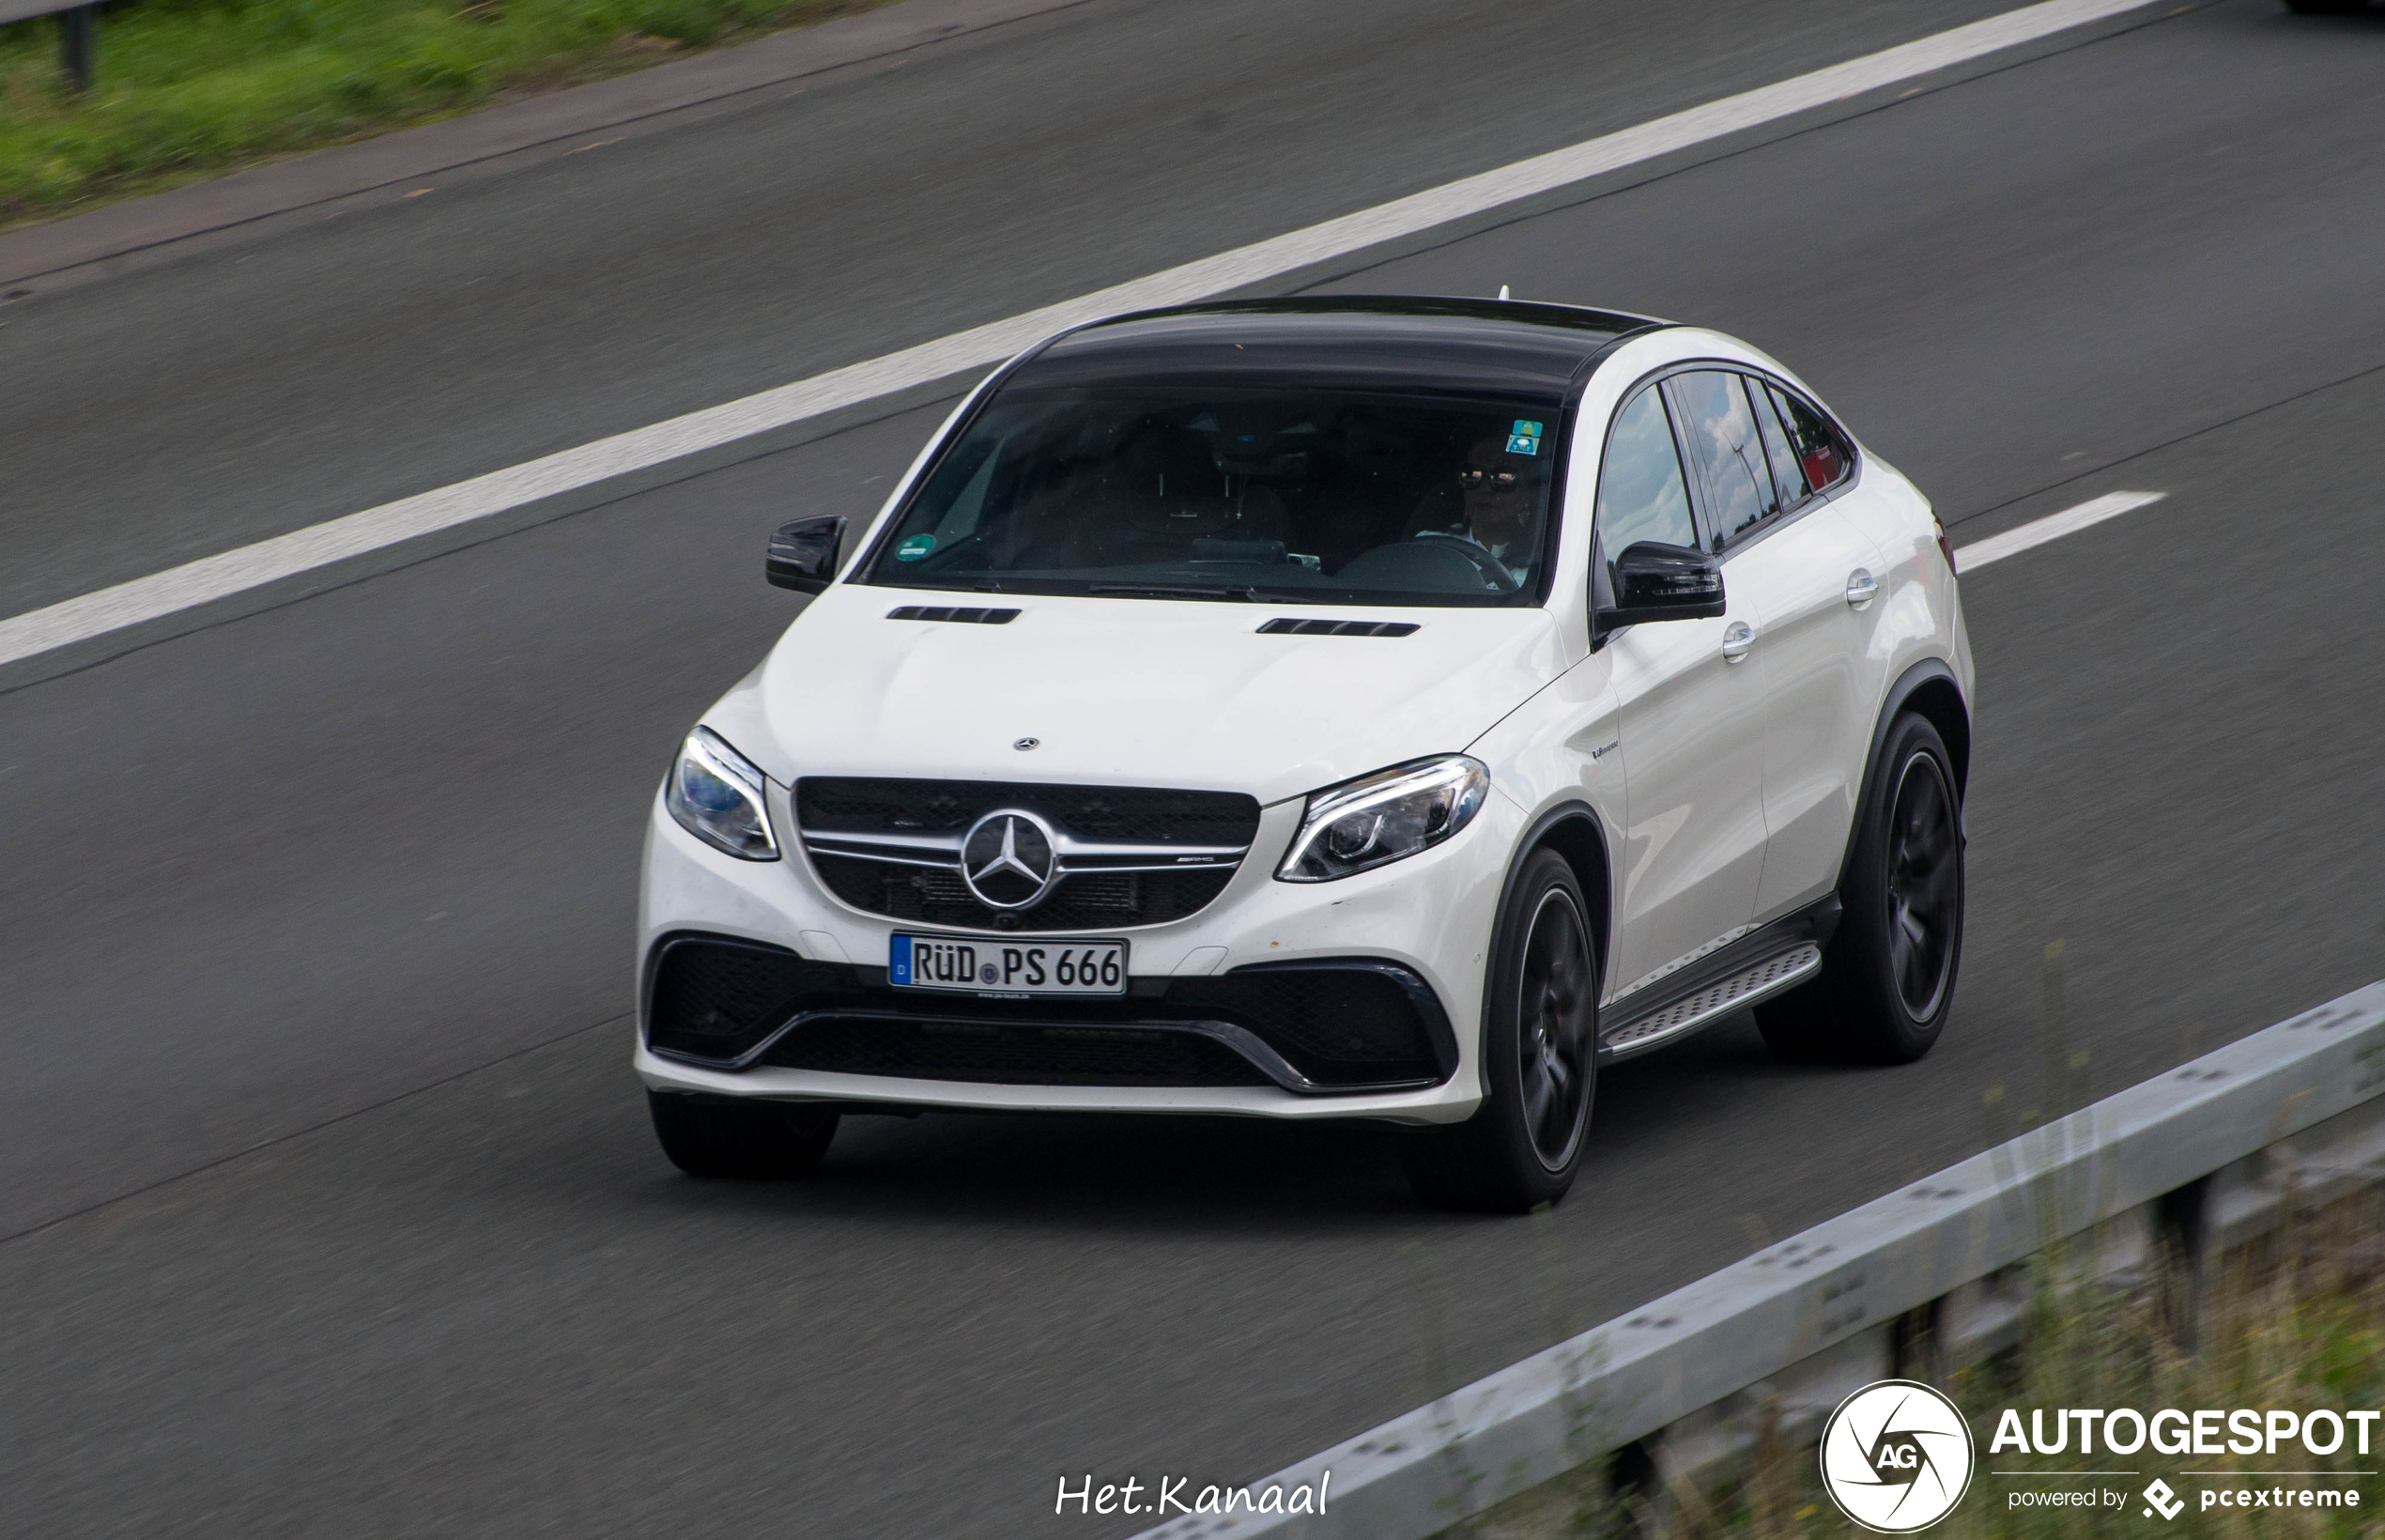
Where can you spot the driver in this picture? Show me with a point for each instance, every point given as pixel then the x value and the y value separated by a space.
pixel 1497 490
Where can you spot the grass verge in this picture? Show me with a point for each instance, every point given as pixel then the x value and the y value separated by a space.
pixel 189 89
pixel 2297 1321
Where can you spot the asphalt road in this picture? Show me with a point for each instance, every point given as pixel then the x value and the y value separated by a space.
pixel 405 341
pixel 352 881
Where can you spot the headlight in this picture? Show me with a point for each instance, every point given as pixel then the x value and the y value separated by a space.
pixel 1382 817
pixel 716 793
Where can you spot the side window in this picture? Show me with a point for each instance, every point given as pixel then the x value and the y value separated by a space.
pixel 1821 449
pixel 1720 429
pixel 1640 492
pixel 1788 478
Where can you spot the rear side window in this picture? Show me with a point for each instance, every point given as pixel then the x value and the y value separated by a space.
pixel 1788 476
pixel 1822 452
pixel 1641 495
pixel 1720 429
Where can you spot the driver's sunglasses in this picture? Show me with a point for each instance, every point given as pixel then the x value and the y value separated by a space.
pixel 1497 481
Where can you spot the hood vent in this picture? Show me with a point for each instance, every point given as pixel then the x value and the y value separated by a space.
pixel 946 612
pixel 1286 628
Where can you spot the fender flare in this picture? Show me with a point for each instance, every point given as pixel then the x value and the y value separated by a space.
pixel 1936 676
pixel 1572 814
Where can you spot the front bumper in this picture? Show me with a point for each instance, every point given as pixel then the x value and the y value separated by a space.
pixel 1211 1005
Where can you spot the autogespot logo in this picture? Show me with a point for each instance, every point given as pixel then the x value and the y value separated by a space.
pixel 1896 1456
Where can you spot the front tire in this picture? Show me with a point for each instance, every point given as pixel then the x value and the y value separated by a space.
pixel 1540 1058
pixel 1887 976
pixel 734 1138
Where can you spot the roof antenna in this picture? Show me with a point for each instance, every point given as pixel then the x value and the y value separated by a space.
pixel 1502 292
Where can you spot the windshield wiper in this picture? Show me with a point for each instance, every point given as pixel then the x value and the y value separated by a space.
pixel 1176 591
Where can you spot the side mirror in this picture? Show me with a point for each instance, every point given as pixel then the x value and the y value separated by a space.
pixel 803 554
pixel 1654 581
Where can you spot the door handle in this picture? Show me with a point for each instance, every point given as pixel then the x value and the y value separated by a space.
pixel 1737 639
pixel 1861 588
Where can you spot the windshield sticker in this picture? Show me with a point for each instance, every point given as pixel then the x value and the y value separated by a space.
pixel 1524 438
pixel 915 548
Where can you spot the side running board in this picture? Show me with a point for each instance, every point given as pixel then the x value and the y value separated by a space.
pixel 1635 1032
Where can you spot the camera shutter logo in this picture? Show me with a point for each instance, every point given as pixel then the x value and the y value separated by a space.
pixel 1896 1456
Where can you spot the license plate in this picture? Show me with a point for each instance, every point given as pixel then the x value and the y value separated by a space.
pixel 990 965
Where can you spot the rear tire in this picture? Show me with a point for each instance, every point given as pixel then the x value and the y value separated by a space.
pixel 1540 1060
pixel 734 1138
pixel 1887 976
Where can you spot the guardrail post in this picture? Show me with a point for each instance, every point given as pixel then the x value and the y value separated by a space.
pixel 2183 1230
pixel 1915 1351
pixel 79 45
pixel 1633 1484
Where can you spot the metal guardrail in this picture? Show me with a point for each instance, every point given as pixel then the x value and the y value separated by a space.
pixel 1815 1316
pixel 78 33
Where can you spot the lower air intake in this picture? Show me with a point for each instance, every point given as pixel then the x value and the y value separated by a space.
pixel 1320 1027
pixel 713 998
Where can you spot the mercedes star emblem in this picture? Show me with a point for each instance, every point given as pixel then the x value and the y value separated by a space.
pixel 1009 858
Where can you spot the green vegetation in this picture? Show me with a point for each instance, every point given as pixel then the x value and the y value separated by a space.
pixel 187 87
pixel 2297 1321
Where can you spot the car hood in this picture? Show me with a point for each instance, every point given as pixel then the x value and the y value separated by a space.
pixel 1128 692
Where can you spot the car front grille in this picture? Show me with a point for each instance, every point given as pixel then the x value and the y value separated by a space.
pixel 1340 1024
pixel 1121 856
pixel 1092 902
pixel 861 805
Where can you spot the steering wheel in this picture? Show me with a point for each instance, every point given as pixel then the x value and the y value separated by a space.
pixel 1494 572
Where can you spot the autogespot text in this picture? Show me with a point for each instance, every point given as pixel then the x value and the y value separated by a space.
pixel 2170 1431
pixel 2266 1432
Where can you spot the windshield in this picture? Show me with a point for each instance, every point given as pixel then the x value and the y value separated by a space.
pixel 1315 496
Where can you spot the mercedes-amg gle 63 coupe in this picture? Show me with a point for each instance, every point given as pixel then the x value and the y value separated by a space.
pixel 1384 709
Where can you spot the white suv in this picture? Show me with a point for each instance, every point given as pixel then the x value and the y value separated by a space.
pixel 1348 708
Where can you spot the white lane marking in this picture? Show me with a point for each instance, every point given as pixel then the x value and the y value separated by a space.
pixel 302 550
pixel 1995 547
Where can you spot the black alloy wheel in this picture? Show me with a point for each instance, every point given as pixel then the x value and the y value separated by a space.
pixel 1556 1060
pixel 1539 1057
pixel 1888 973
pixel 1925 886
